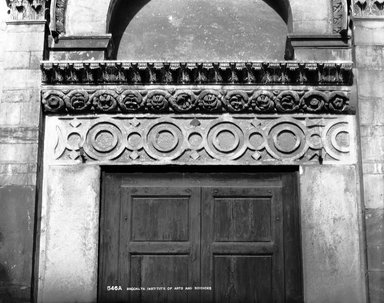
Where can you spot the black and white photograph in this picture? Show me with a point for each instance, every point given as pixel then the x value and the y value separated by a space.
pixel 192 151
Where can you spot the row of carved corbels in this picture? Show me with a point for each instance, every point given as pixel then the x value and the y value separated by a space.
pixel 286 73
pixel 368 7
pixel 27 9
pixel 155 101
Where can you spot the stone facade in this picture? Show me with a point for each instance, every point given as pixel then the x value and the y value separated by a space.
pixel 321 112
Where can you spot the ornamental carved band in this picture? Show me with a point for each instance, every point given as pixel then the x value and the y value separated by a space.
pixel 368 7
pixel 247 73
pixel 191 100
pixel 216 140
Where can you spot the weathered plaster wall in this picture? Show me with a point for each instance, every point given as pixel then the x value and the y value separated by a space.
pixel 369 41
pixel 69 234
pixel 331 235
pixel 21 50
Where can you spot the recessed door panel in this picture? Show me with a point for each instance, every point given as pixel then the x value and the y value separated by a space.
pixel 216 230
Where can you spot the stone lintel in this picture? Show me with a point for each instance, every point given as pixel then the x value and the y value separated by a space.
pixel 316 41
pixel 81 42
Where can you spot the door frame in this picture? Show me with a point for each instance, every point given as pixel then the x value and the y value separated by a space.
pixel 293 262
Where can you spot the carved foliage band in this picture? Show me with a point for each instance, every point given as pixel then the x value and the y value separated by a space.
pixel 205 140
pixel 267 73
pixel 191 100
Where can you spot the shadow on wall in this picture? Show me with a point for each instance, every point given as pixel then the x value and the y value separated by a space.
pixel 199 30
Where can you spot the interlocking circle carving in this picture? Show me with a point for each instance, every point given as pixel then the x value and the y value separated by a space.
pixel 337 140
pixel 226 140
pixel 286 141
pixel 164 141
pixel 104 141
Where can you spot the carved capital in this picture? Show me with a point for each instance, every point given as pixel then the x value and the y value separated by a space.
pixel 27 9
pixel 368 8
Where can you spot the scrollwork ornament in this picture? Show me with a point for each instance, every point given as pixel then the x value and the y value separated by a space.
pixel 130 101
pixel 78 101
pixel 105 100
pixel 314 101
pixel 287 102
pixel 183 101
pixel 237 101
pixel 338 102
pixel 210 100
pixel 263 101
pixel 157 100
pixel 54 101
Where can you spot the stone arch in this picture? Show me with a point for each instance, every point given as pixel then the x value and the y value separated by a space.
pixel 89 17
pixel 199 30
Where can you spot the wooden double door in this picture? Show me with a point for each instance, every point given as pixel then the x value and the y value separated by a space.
pixel 199 237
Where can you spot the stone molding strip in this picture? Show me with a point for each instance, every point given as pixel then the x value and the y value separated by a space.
pixel 216 140
pixel 197 73
pixel 120 99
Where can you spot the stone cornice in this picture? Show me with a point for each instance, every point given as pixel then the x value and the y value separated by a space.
pixel 198 73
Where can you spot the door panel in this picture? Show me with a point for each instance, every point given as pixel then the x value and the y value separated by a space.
pixel 249 222
pixel 184 230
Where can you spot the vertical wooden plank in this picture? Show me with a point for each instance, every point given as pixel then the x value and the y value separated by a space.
pixel 206 243
pixel 292 239
pixel 109 238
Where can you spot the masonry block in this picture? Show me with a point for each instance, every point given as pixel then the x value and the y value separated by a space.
pixel 16 60
pixel 371 83
pixel 21 95
pixel 376 286
pixel 18 153
pixel 370 57
pixel 374 191
pixel 368 32
pixel 374 220
pixel 376 257
pixel 372 148
pixel 21 78
pixel 16 242
pixel 10 114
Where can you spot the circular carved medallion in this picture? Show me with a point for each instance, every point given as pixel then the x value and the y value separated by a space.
pixel 226 140
pixel 164 141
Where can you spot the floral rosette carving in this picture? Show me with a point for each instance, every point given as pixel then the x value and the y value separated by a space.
pixel 130 101
pixel 157 100
pixel 54 101
pixel 210 100
pixel 237 101
pixel 105 101
pixel 78 101
pixel 263 101
pixel 287 102
pixel 338 102
pixel 183 101
pixel 314 101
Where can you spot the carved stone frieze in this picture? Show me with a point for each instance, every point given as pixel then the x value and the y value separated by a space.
pixel 27 9
pixel 207 100
pixel 368 7
pixel 247 73
pixel 184 139
pixel 340 16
